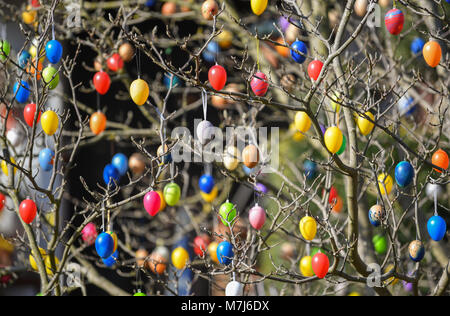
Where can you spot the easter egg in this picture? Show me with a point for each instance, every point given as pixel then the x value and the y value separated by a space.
pixel 211 51
pixel 164 154
pixel 433 189
pixel 102 82
pixel 314 69
pixel 333 139
pixel 120 161
pixel 104 245
pixel 28 211
pixel 310 169
pixel 282 49
pixel 49 122
pixel 376 215
pixel 250 156
pixel 231 158
pixel 336 101
pixel 205 132
pixel 338 205
pixel 180 258
pixel 296 134
pixel 417 45
pixel 89 234
pixel 112 260
pixel 157 263
pixel 333 195
pixel 29 15
pixel 111 175
pixel 51 77
pixel 287 251
pixel 432 53
pixel 361 7
pixel 302 121
pixel 385 181
pixel 365 126
pixel 308 227
pixel 257 217
pixel 259 84
pixel 437 228
pixel 170 80
pixel 206 183
pixel 210 8
pixel 115 62
pixel 225 253
pixel 416 250
pixel 126 52
pixel 391 281
pixel 152 203
pixel 292 33
pixel 212 250
pixel 54 51
pixel 24 59
pixel 32 260
pixel 14 137
pixel 31 69
pixel 5 166
pixel 406 105
pixel 288 82
pixel 343 146
pixel 258 6
pixel 227 213
pixel 217 76
pixel 140 294
pixel 141 257
pixel 225 39
pixel 201 245
pixel 5 49
pixel 97 123
pixel 404 173
pixel 210 197
pixel 2 201
pixel 139 91
pixel 440 159
pixel 172 194
pixel 163 202
pixel 320 265
pixel 380 243
pixel 115 240
pixel 169 8
pixel 299 52
pixel 29 113
pixel 261 189
pixel 394 21
pixel 306 267
pixel 46 159
pixel 384 3
pixel 21 91
pixel 136 163
pixel 234 288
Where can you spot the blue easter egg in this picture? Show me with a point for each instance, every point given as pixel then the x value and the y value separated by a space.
pixel 310 169
pixel 120 161
pixel 175 82
pixel 22 91
pixel 417 45
pixel 46 157
pixel 406 105
pixel 24 58
pixel 150 3
pixel 300 47
pixel 111 174
pixel 211 51
pixel 206 183
pixel 416 250
pixel 376 215
pixel 247 170
pixel 54 51
pixel 104 244
pixel 404 174
pixel 111 261
pixel 225 253
pixel 436 228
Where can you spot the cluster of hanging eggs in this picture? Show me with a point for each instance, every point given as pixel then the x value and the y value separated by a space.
pixel 106 246
pixel 208 188
pixel 115 170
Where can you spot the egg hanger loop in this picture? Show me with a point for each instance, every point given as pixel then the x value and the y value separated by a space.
pixel 435 203
pixel 53 24
pixel 138 62
pixel 98 102
pixel 3 30
pixel 103 215
pixel 308 249
pixel 205 103
pixel 208 168
pixel 257 51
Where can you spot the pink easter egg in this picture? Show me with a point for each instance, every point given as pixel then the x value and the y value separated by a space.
pixel 257 217
pixel 89 234
pixel 259 84
pixel 152 203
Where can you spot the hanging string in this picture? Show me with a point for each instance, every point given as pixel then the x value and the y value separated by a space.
pixel 98 102
pixel 208 168
pixel 138 62
pixel 308 249
pixel 257 53
pixel 395 4
pixel 108 221
pixel 205 103
pixel 3 31
pixel 53 26
pixel 435 202
pixel 172 170
pixel 103 216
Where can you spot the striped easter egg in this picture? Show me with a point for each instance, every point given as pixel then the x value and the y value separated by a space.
pixel 259 84
pixel 394 21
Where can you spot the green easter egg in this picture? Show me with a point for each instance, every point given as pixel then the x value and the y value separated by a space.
pixel 172 194
pixel 227 213
pixel 344 144
pixel 5 49
pixel 51 77
pixel 380 243
pixel 140 294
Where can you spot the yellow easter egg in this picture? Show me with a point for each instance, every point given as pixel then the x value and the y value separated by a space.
pixel 306 267
pixel 391 281
pixel 29 16
pixel 296 135
pixel 335 101
pixel 4 166
pixel 354 294
pixel 139 91
pixel 180 258
pixel 258 6
pixel 231 158
pixel 212 251
pixel 114 237
pixel 210 197
pixel 33 263
pixel 308 227
pixel 48 265
pixel 302 121
pixel 365 126
pixel 388 183
pixel 49 122
pixel 333 139
pixel 163 202
pixel 225 39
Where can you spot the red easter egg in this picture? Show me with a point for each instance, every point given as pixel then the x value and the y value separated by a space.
pixel 28 114
pixel 259 84
pixel 152 203
pixel 28 211
pixel 320 265
pixel 314 69
pixel 35 3
pixel 2 201
pixel 102 82
pixel 394 21
pixel 440 159
pixel 217 76
pixel 333 195
pixel 257 217
pixel 201 244
pixel 115 62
